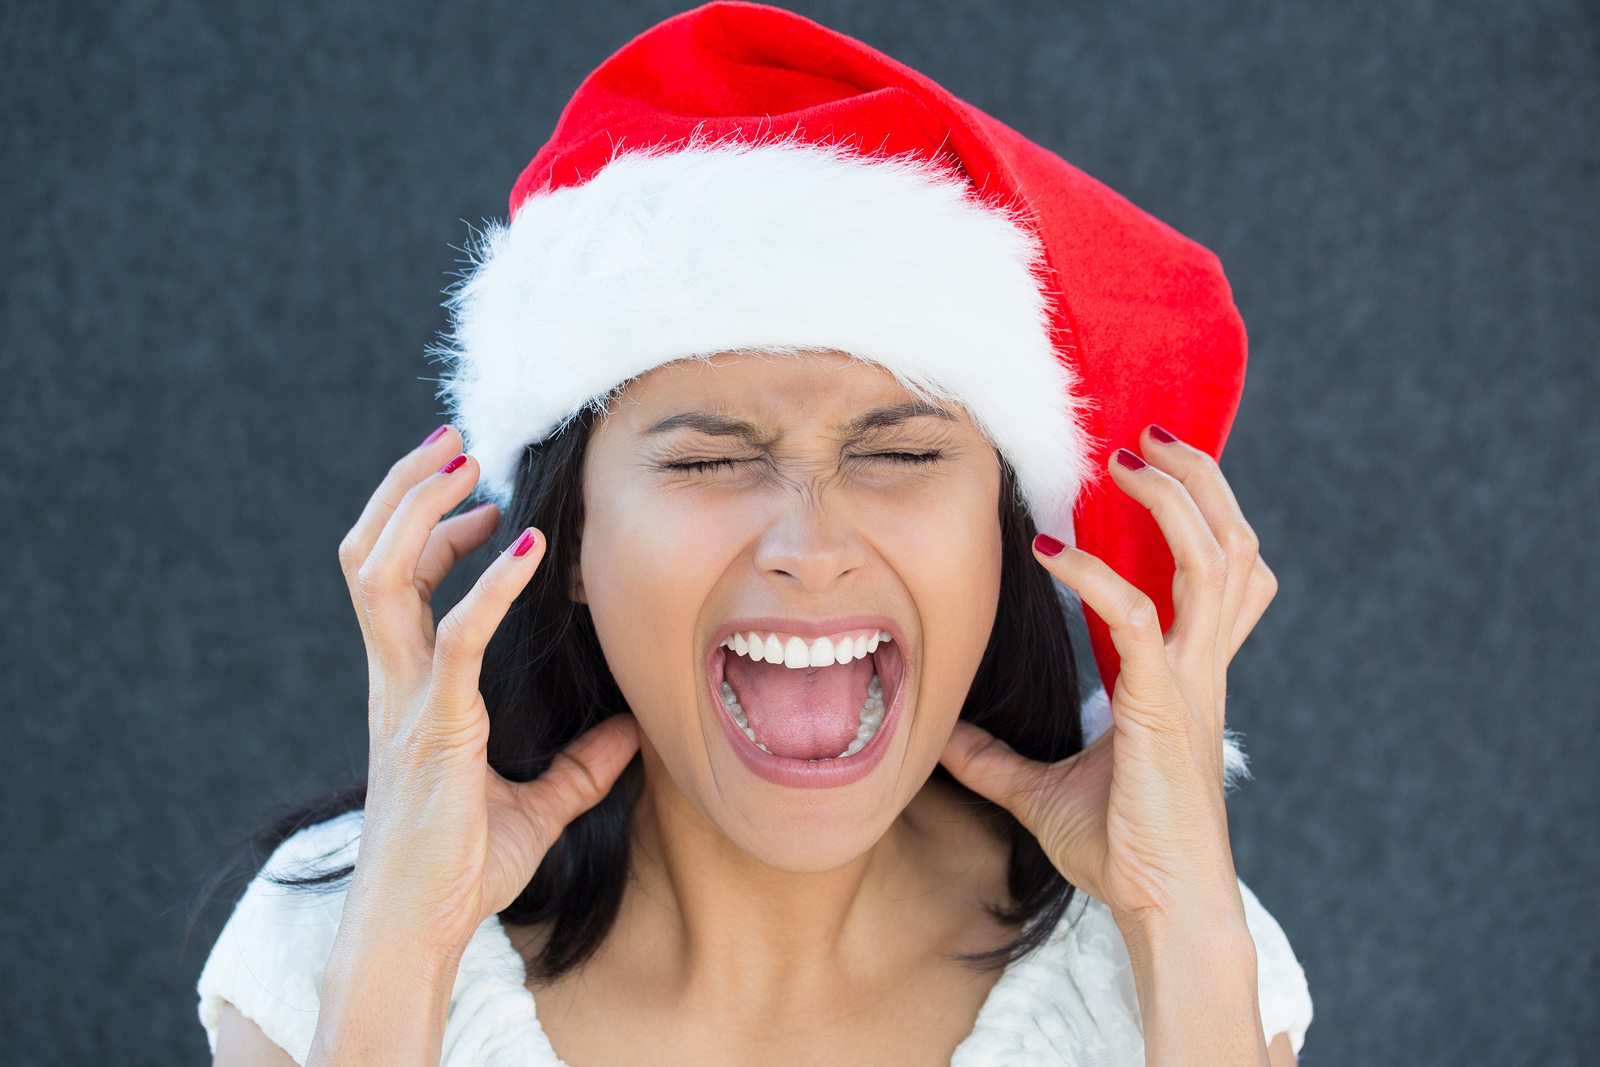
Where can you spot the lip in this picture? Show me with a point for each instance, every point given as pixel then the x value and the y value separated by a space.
pixel 801 628
pixel 799 773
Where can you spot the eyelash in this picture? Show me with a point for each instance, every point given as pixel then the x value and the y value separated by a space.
pixel 698 466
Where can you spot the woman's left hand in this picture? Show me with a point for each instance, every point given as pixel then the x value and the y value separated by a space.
pixel 1137 819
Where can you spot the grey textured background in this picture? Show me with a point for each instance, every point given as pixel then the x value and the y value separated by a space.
pixel 226 229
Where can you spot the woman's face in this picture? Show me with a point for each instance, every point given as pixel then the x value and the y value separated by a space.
pixel 801 527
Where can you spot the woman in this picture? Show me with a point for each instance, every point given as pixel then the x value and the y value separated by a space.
pixel 757 741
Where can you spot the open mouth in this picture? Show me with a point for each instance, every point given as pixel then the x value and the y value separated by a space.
pixel 793 705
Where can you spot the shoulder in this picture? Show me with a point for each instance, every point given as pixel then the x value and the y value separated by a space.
pixel 1074 996
pixel 269 958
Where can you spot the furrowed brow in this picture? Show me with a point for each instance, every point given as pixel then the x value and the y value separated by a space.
pixel 893 415
pixel 707 422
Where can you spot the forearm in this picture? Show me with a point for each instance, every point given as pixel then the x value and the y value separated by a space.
pixel 1196 980
pixel 384 1000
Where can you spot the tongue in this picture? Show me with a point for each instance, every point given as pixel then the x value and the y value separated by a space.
pixel 801 713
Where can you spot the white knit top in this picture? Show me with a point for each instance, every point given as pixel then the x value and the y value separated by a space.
pixel 1071 1002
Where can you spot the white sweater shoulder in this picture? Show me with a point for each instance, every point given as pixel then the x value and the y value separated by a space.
pixel 1071 1002
pixel 270 957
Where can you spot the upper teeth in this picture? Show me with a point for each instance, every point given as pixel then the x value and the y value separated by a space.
pixel 797 652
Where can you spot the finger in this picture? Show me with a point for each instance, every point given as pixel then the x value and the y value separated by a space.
pixel 464 632
pixel 406 471
pixel 1145 677
pixel 578 778
pixel 1199 578
pixel 995 771
pixel 1209 488
pixel 453 540
pixel 1260 588
pixel 386 581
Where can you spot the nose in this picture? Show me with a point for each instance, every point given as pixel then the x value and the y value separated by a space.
pixel 810 546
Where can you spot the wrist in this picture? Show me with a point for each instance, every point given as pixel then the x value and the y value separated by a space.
pixel 1175 945
pixel 1196 979
pixel 1218 921
pixel 367 939
pixel 376 916
pixel 385 999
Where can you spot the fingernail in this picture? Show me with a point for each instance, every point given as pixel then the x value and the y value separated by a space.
pixel 1047 544
pixel 435 435
pixel 524 543
pixel 1129 460
pixel 453 464
pixel 1162 434
pixel 480 507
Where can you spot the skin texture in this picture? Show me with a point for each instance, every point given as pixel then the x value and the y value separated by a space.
pixel 752 903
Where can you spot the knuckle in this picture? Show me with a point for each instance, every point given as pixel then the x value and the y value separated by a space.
pixel 988 749
pixel 452 637
pixel 1170 486
pixel 1268 578
pixel 373 581
pixel 410 747
pixel 405 507
pixel 1243 545
pixel 349 552
pixel 432 734
pixel 1207 463
pixel 1148 712
pixel 581 777
pixel 1140 616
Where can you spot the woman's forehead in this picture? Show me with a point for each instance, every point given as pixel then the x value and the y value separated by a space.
pixel 761 385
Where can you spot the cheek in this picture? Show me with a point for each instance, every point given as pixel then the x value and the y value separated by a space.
pixel 946 548
pixel 655 555
pixel 650 561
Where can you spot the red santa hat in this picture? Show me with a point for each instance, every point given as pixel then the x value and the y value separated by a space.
pixel 739 176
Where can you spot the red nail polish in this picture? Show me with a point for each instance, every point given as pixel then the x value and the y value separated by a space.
pixel 453 464
pixel 524 543
pixel 435 435
pixel 1129 460
pixel 1047 544
pixel 1162 434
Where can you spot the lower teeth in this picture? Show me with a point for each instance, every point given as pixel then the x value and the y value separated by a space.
pixel 871 718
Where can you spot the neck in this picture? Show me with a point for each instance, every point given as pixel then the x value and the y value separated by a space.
pixel 722 919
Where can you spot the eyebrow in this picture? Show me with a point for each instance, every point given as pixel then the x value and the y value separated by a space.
pixel 708 422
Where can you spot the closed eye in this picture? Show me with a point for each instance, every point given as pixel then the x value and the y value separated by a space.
pixel 702 465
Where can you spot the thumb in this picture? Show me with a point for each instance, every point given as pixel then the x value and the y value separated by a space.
pixel 579 777
pixel 994 770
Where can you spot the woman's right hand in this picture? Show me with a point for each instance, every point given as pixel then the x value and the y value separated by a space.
pixel 446 840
